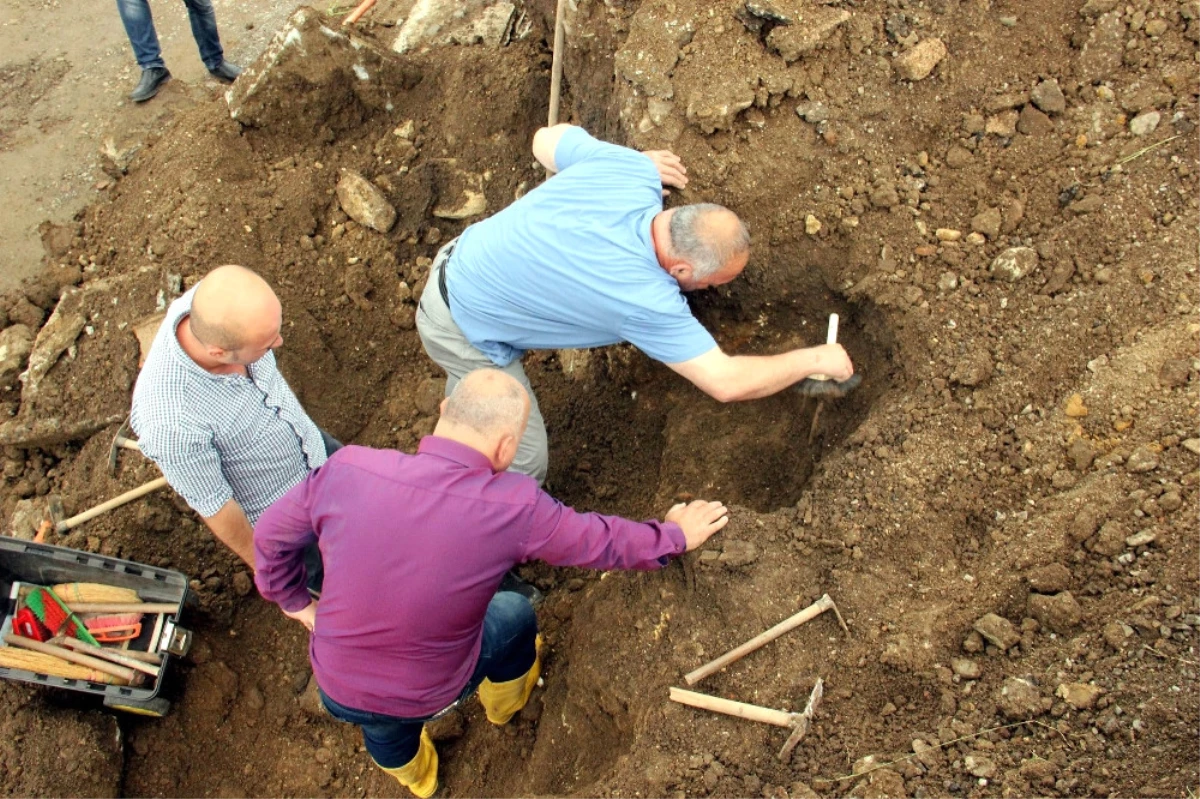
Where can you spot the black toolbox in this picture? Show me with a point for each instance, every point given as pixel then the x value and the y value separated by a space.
pixel 26 562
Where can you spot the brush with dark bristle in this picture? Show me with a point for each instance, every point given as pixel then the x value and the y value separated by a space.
pixel 824 386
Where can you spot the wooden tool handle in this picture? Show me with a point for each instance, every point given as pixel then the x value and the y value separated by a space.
pixel 122 607
pixel 115 502
pixel 731 708
pixel 122 672
pixel 831 336
pixel 791 623
pixel 109 655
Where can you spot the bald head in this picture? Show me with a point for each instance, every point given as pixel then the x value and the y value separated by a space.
pixel 710 238
pixel 488 402
pixel 234 310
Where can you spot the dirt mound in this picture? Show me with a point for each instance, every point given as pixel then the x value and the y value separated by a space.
pixel 1004 512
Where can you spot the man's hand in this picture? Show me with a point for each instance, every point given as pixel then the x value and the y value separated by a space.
pixel 833 362
pixel 307 616
pixel 670 168
pixel 698 519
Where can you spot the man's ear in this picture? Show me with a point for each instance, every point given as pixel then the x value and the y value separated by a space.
pixel 681 271
pixel 506 452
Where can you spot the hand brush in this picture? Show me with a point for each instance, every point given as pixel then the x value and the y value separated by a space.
pixel 822 386
pixel 51 612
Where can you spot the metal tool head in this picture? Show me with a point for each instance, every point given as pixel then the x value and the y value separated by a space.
pixel 802 721
pixel 827 388
pixel 119 442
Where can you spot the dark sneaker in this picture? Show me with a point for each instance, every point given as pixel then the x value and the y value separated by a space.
pixel 515 584
pixel 225 72
pixel 148 86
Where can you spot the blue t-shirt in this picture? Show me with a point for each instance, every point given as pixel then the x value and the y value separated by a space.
pixel 572 265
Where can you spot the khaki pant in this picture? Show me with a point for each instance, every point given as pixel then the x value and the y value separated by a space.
pixel 449 348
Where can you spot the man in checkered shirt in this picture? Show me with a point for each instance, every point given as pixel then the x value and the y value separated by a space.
pixel 212 410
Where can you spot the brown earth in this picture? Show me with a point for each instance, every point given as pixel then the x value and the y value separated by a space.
pixel 1015 425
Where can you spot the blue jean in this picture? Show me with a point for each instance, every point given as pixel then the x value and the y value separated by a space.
pixel 314 567
pixel 508 651
pixel 139 27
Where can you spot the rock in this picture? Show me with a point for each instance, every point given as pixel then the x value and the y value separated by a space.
pixel 958 157
pixel 432 23
pixel 1094 8
pixel 973 643
pixel 948 281
pixel 24 312
pixel 1142 460
pixel 947 234
pixel 1143 124
pixel 998 630
pixel 16 343
pixel 974 370
pixel 334 67
pixel 1174 372
pixel 716 107
pixel 880 783
pixel 429 394
pixel 1049 97
pixel 1192 445
pixel 885 197
pixel 813 113
pixel 1156 27
pixel 1014 263
pixel 979 766
pixel 812 225
pixel 966 668
pixel 810 26
pixel 1141 539
pixel 651 50
pixel 55 337
pixel 1019 698
pixel 1074 407
pixel 27 517
pixel 1060 613
pixel 1049 579
pixel 1003 125
pixel 1087 204
pixel 1116 634
pixel 1100 57
pixel 471 203
pixel 917 63
pixel 1081 453
pixel 363 202
pixel 1110 541
pixel 1014 212
pixel 987 222
pixel 1033 122
pixel 242 584
pixel 1080 696
pixel 738 553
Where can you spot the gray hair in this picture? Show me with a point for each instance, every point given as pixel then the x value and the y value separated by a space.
pixel 699 238
pixel 489 402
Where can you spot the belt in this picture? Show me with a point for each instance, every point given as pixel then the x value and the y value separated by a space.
pixel 442 274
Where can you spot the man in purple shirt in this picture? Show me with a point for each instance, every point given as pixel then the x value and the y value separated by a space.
pixel 415 546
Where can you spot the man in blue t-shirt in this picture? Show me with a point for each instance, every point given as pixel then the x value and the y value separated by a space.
pixel 590 258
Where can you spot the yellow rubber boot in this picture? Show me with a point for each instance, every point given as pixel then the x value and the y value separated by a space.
pixel 501 700
pixel 419 775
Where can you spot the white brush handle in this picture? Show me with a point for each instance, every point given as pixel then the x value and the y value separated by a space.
pixel 831 337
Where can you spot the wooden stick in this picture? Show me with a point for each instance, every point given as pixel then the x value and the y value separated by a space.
pixel 813 610
pixel 729 707
pixel 357 13
pixel 556 65
pixel 122 607
pixel 115 502
pixel 121 672
pixel 146 657
pixel 110 655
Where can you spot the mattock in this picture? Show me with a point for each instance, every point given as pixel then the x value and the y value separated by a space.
pixel 798 722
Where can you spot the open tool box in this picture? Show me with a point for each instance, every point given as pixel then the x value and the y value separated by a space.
pixel 141 646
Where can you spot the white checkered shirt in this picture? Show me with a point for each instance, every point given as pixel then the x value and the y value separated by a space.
pixel 221 437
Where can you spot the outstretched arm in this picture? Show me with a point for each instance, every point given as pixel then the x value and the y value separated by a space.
pixel 731 378
pixel 670 168
pixel 232 528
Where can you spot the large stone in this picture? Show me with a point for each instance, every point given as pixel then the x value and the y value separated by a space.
pixel 1033 122
pixel 716 107
pixel 364 202
pixel 1060 613
pixel 998 631
pixel 439 23
pixel 1019 699
pixel 917 63
pixel 16 343
pixel 808 28
pixel 1080 696
pixel 1101 55
pixel 1144 124
pixel 1049 579
pixel 1014 263
pixel 987 222
pixel 335 70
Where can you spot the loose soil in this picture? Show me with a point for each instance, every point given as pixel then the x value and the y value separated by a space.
pixel 1016 428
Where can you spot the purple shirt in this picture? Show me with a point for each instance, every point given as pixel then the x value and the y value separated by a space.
pixel 414 548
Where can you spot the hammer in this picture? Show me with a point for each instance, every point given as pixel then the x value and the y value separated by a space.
pixel 115 502
pixel 121 441
pixel 798 723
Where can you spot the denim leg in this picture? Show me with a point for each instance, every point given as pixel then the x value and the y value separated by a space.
pixel 314 569
pixel 139 27
pixel 391 741
pixel 332 445
pixel 203 20
pixel 509 640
